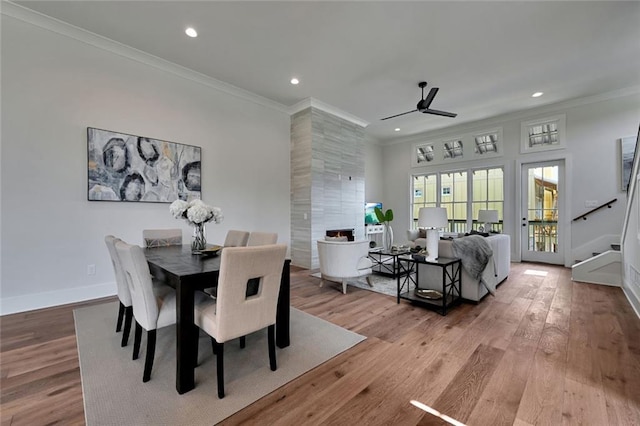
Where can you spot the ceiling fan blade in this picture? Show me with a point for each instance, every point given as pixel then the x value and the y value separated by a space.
pixel 398 115
pixel 432 94
pixel 442 113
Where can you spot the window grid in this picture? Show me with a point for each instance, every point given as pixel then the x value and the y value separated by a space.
pixel 425 153
pixel 487 193
pixel 486 143
pixel 453 149
pixel 543 134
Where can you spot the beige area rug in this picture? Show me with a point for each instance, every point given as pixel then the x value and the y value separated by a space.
pixel 381 284
pixel 115 395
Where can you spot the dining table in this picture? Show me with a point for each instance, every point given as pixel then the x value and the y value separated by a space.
pixel 188 273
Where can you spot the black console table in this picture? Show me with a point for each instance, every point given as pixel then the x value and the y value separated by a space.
pixel 408 282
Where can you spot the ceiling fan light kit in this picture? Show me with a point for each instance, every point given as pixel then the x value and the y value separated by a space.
pixel 424 104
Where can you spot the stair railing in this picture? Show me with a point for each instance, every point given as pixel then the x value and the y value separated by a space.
pixel 584 216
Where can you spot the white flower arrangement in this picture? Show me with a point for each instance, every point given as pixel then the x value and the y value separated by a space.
pixel 195 212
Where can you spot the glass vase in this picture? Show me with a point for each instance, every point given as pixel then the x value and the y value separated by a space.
pixel 388 237
pixel 199 240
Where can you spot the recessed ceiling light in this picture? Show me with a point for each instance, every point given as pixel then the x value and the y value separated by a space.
pixel 397 129
pixel 537 95
pixel 295 81
pixel 191 32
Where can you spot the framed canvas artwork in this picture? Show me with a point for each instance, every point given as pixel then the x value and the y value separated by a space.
pixel 123 167
pixel 627 149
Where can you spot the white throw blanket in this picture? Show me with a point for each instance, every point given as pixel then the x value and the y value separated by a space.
pixel 474 252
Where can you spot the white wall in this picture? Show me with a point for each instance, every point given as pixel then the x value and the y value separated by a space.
pixel 54 87
pixel 631 240
pixel 373 164
pixel 593 128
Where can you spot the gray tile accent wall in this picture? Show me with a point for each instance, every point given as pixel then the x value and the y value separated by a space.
pixel 327 181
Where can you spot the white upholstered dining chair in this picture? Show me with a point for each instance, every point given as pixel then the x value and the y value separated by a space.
pixel 154 306
pixel 262 238
pixel 234 313
pixel 162 237
pixel 125 309
pixel 236 238
pixel 341 260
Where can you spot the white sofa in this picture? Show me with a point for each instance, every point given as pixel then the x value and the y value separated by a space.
pixel 472 290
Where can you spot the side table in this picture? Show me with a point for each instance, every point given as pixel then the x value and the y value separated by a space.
pixel 408 282
pixel 386 262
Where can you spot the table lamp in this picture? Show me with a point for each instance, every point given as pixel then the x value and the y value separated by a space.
pixel 432 218
pixel 488 217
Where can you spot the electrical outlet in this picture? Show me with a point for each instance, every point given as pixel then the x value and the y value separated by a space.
pixel 91 269
pixel 305 216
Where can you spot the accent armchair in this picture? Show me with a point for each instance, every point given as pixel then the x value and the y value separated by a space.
pixel 341 260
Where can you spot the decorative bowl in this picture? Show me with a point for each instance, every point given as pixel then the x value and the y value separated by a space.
pixel 211 251
pixel 428 294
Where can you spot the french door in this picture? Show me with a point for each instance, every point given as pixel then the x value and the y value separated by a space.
pixel 542 212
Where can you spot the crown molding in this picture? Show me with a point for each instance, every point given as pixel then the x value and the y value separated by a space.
pixel 311 102
pixel 60 27
pixel 529 113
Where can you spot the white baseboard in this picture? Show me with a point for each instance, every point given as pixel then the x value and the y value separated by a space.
pixel 633 299
pixel 29 302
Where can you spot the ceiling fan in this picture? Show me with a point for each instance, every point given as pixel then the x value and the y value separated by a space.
pixel 423 104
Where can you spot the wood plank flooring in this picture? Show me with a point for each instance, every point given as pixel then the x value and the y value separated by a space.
pixel 544 351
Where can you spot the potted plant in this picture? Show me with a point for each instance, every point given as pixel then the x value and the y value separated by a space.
pixel 385 218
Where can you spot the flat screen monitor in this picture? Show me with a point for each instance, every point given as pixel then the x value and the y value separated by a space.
pixel 370 217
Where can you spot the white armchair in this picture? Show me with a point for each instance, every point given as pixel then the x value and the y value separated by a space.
pixel 341 260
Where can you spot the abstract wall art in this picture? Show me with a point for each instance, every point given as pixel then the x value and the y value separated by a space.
pixel 124 167
pixel 627 150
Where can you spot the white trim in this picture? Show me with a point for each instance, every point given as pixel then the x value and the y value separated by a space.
pixel 59 27
pixel 29 302
pixel 311 102
pixel 634 301
pixel 560 120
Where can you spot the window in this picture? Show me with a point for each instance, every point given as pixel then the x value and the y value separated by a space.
pixel 463 193
pixel 453 149
pixel 456 201
pixel 543 134
pixel 488 194
pixel 424 153
pixel 486 143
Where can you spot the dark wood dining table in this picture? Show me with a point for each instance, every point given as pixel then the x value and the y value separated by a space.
pixel 188 273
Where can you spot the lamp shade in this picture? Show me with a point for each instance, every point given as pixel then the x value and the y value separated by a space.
pixel 488 216
pixel 432 217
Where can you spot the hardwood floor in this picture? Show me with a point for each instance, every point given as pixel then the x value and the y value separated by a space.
pixel 544 351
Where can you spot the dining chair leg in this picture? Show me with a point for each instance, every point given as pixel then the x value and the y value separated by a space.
pixel 214 346
pixel 220 368
pixel 137 337
pixel 128 316
pixel 151 351
pixel 120 316
pixel 272 347
pixel 243 342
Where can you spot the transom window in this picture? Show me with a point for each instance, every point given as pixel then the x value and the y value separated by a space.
pixel 425 153
pixel 486 143
pixel 543 134
pixel 453 149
